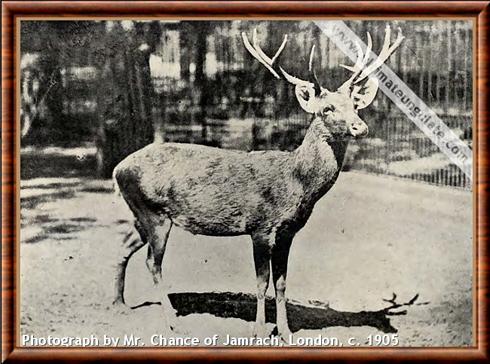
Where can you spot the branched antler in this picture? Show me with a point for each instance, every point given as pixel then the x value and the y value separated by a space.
pixel 394 305
pixel 271 63
pixel 361 69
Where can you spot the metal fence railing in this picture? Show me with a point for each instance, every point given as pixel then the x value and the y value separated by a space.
pixel 249 109
pixel 208 89
pixel 395 146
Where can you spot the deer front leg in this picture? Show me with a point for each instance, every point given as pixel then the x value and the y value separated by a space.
pixel 280 256
pixel 262 255
pixel 130 245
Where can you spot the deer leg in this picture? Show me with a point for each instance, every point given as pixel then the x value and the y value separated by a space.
pixel 262 254
pixel 280 255
pixel 130 245
pixel 158 242
pixel 149 260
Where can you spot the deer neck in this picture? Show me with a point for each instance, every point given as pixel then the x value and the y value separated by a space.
pixel 318 160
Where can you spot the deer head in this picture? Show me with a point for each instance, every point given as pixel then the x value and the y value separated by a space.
pixel 337 109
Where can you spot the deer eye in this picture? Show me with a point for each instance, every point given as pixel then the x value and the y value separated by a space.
pixel 328 109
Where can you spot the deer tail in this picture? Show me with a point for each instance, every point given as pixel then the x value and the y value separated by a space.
pixel 119 202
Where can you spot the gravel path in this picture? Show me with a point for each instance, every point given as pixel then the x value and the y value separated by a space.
pixel 367 238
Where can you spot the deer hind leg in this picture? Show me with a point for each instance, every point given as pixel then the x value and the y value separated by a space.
pixel 280 254
pixel 157 239
pixel 131 243
pixel 262 256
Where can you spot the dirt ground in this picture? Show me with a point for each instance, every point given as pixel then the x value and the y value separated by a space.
pixel 368 238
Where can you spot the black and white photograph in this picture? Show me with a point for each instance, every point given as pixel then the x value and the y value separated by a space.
pixel 244 183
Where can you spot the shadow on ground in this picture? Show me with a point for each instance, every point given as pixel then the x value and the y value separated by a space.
pixel 38 164
pixel 300 317
pixel 47 225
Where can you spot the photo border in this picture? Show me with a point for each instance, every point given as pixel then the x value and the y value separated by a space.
pixel 13 11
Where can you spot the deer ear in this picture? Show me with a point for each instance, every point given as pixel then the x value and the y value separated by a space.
pixel 364 95
pixel 307 98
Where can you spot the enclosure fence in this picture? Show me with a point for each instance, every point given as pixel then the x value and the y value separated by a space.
pixel 209 90
pixel 435 61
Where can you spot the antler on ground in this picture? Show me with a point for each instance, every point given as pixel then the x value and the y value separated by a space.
pixel 394 305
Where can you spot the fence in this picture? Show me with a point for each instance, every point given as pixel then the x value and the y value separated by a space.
pixel 209 89
pixel 258 112
pixel 396 147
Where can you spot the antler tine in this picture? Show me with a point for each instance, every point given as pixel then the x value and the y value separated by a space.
pixel 385 53
pixel 357 67
pixel 313 77
pixel 283 44
pixel 259 50
pixel 258 54
pixel 312 54
pixel 368 49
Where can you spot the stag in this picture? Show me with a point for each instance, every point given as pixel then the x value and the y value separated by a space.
pixel 268 195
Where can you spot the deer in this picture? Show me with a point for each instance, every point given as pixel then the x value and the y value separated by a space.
pixel 268 195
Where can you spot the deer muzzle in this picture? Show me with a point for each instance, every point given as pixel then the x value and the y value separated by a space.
pixel 358 129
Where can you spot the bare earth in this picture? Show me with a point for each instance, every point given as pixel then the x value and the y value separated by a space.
pixel 368 237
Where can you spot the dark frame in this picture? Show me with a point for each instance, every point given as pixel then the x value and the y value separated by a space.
pixel 12 10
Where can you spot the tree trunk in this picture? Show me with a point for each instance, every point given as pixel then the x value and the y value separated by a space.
pixel 202 29
pixel 125 96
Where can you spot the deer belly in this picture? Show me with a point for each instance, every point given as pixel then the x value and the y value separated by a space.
pixel 205 213
pixel 205 224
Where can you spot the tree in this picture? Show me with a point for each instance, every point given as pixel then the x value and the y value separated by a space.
pixel 201 31
pixel 41 78
pixel 125 95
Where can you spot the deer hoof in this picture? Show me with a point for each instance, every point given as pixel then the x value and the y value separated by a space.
pixel 120 307
pixel 171 325
pixel 260 331
pixel 173 330
pixel 285 335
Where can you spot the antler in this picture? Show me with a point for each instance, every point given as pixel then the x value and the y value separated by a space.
pixel 269 63
pixel 360 69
